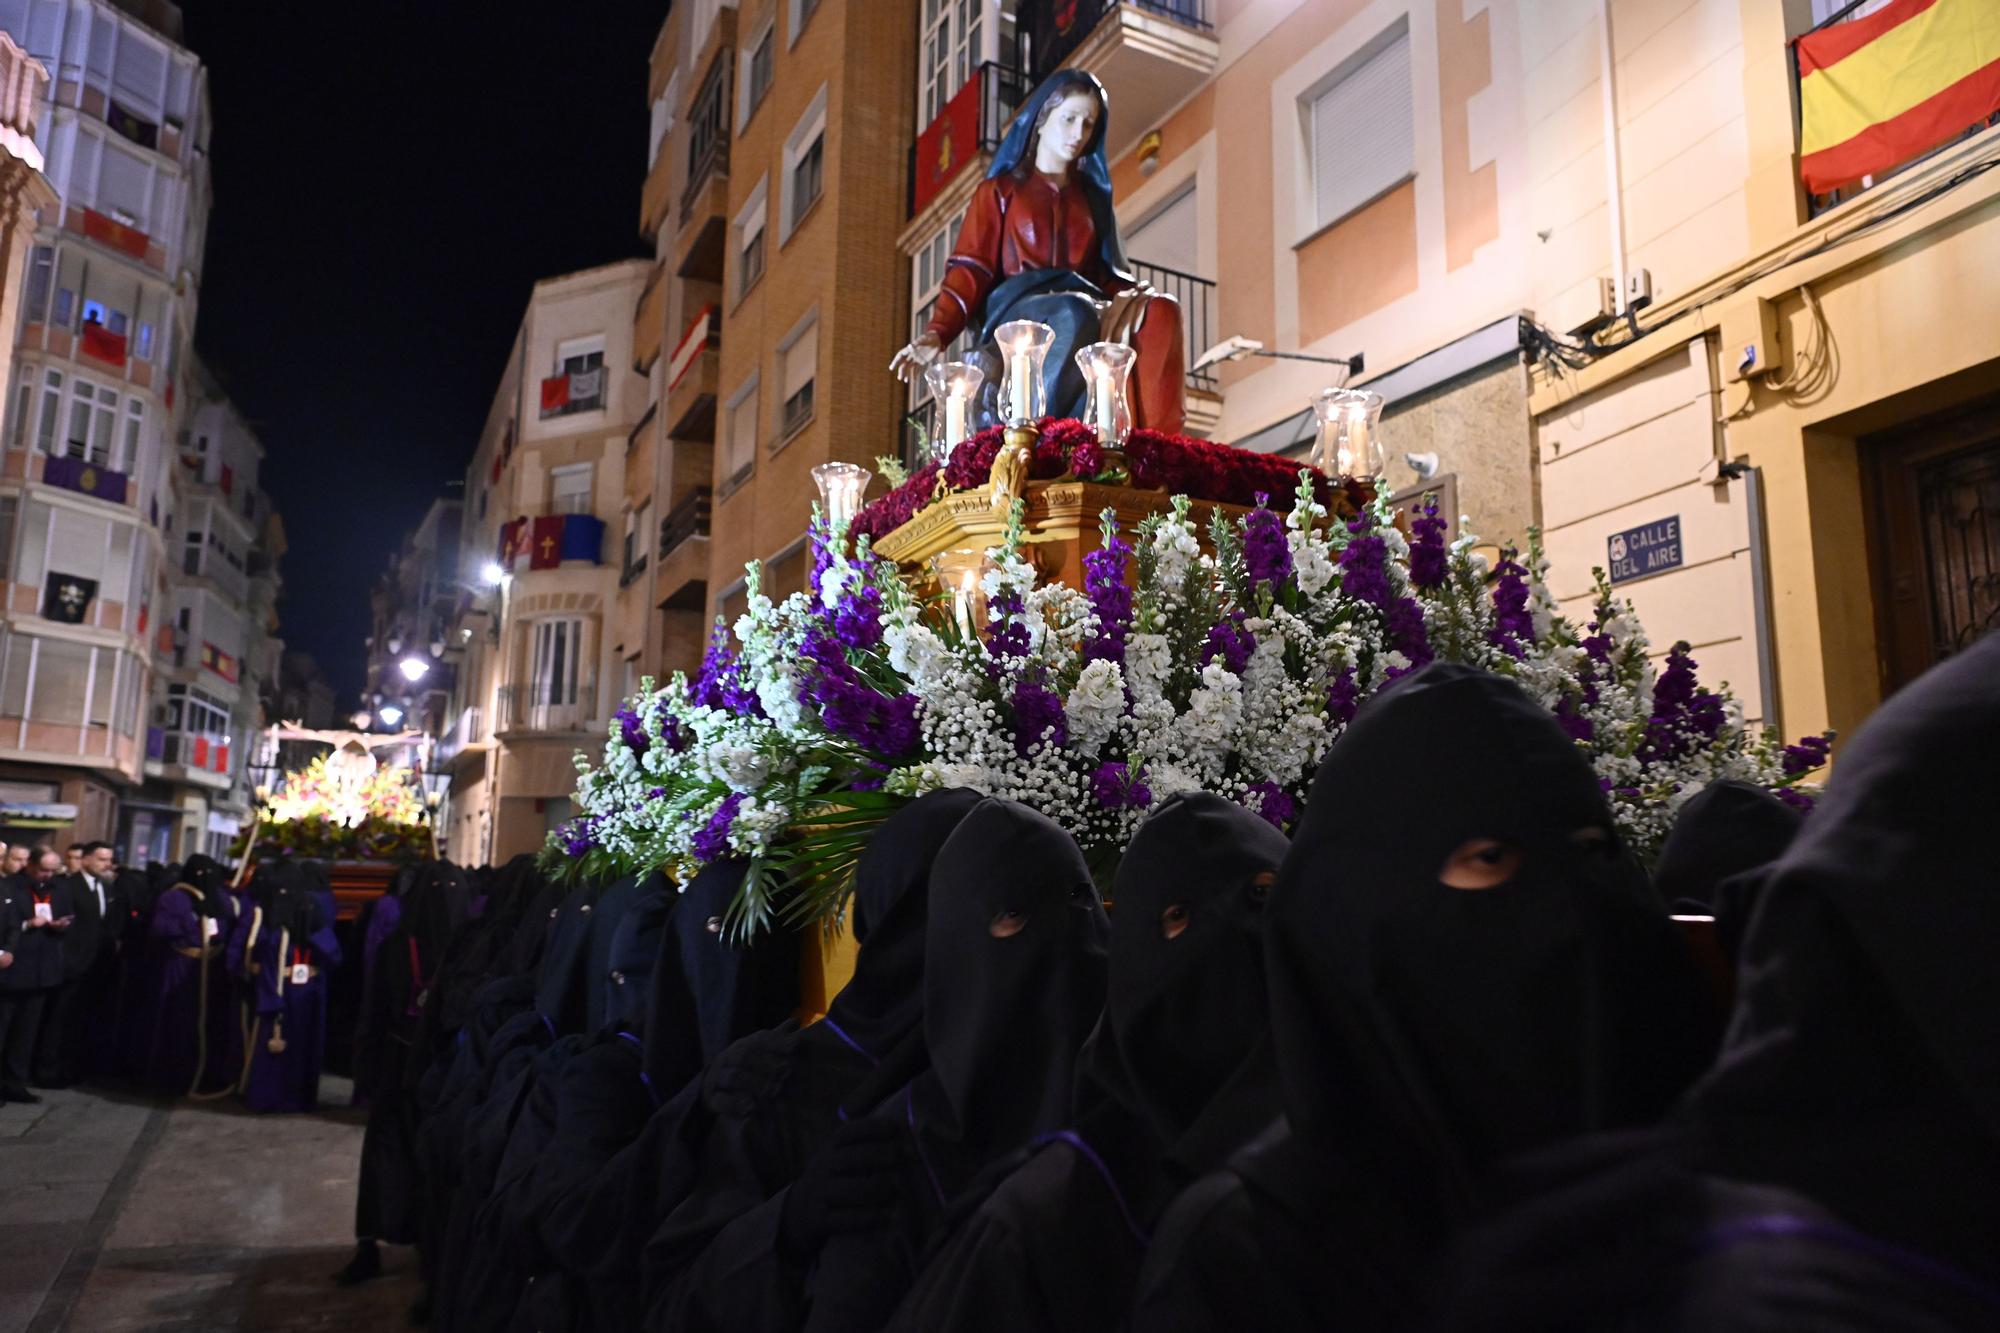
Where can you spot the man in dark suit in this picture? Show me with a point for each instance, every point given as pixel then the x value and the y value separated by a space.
pixel 43 908
pixel 75 1023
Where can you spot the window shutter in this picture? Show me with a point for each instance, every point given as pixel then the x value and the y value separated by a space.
pixel 801 359
pixel 142 70
pixel 125 183
pixel 743 433
pixel 77 543
pixel 1171 237
pixel 103 40
pixel 1363 133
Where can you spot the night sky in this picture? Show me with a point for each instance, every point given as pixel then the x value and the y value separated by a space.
pixel 390 177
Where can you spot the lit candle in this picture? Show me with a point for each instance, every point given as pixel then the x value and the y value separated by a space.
pixel 1024 343
pixel 1021 372
pixel 954 422
pixel 1107 429
pixel 963 604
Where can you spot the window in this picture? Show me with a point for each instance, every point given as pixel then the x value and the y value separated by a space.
pixel 1170 237
pixel 708 125
pixel 1361 129
pixel 135 421
pixel 10 508
pixel 805 155
pixel 580 355
pixel 749 227
pixel 142 347
pixel 758 63
pixel 24 407
pixel 740 448
pixel 798 359
pixel 64 309
pixel 41 277
pixel 802 12
pixel 569 489
pixel 93 414
pixel 557 646
pixel 948 51
pixel 807 177
pixel 191 553
pixel 926 279
pixel 45 435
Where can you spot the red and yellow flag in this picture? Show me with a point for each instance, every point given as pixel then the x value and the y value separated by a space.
pixel 1881 89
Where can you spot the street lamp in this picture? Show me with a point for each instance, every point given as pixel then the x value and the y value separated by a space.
pixel 390 714
pixel 1237 347
pixel 492 574
pixel 414 669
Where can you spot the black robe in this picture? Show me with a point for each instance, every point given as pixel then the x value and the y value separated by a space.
pixel 1485 980
pixel 871 1038
pixel 1839 1168
pixel 1170 1085
pixel 1014 965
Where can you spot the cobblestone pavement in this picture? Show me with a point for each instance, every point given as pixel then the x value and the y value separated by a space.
pixel 121 1215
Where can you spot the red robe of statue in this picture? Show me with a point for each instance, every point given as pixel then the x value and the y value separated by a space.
pixel 1031 222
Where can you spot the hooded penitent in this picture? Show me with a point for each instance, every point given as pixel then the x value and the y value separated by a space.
pixel 1013 982
pixel 711 988
pixel 1726 832
pixel 1862 1066
pixel 1167 1087
pixel 1464 965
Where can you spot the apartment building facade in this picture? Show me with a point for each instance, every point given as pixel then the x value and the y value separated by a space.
pixel 414 610
pixel 775 193
pixel 100 338
pixel 534 650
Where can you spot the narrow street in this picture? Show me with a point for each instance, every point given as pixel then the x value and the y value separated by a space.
pixel 117 1214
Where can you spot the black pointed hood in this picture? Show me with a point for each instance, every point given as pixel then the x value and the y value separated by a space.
pixel 1013 983
pixel 884 1000
pixel 1446 1027
pixel 709 990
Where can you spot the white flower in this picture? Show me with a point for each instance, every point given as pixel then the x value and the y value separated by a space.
pixel 1148 659
pixel 739 767
pixel 1095 705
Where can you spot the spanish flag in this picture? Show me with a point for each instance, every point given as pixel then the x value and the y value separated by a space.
pixel 1884 88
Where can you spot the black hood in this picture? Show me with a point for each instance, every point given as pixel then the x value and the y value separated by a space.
pixel 1725 829
pixel 1447 1027
pixel 1862 1062
pixel 211 877
pixel 1013 982
pixel 884 1000
pixel 707 990
pixel 635 952
pixel 1185 1004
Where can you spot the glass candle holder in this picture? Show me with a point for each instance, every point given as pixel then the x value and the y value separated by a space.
pixel 1024 344
pixel 1350 441
pixel 955 384
pixel 1106 368
pixel 840 487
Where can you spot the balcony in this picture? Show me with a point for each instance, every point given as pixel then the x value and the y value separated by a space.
pixel 649 323
pixel 1197 302
pixel 704 210
pixel 1843 161
pixel 1149 54
pixel 531 709
pixel 683 579
pixel 958 139
pixel 692 375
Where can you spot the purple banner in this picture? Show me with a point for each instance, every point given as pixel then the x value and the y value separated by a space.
pixel 85 477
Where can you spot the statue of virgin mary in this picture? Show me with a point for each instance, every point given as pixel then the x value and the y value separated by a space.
pixel 1040 241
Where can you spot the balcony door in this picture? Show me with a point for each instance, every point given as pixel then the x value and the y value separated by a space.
pixel 1937 537
pixel 555 690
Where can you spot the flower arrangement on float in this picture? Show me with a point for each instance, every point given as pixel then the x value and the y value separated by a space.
pixel 1226 659
pixel 338 808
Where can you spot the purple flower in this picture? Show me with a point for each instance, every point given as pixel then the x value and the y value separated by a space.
pixel 1038 716
pixel 1228 640
pixel 1407 632
pixel 857 617
pixel 1343 697
pixel 1267 559
pixel 1513 625
pixel 1808 754
pixel 849 706
pixel 676 736
pixel 579 835
pixel 1569 716
pixel 1118 788
pixel 1795 798
pixel 1007 632
pixel 712 842
pixel 1427 560
pixel 719 684
pixel 1364 574
pixel 1110 596
pixel 1272 802
pixel 656 793
pixel 632 730
pixel 1684 715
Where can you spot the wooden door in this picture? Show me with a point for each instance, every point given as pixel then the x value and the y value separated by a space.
pixel 1936 488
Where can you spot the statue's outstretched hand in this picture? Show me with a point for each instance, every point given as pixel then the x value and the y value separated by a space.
pixel 909 363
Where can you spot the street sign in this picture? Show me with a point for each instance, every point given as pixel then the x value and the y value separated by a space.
pixel 1652 548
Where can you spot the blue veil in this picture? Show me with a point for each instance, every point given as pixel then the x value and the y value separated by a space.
pixel 1093 173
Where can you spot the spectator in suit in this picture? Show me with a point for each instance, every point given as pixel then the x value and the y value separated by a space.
pixel 16 862
pixel 76 1039
pixel 73 858
pixel 42 906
